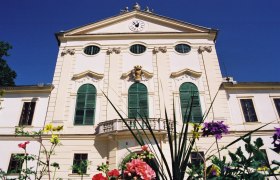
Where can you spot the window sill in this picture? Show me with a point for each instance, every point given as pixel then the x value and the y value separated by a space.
pixel 24 126
pixel 251 123
pixel 77 175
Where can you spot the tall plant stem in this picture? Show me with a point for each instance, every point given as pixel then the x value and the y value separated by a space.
pixel 25 164
pixel 218 148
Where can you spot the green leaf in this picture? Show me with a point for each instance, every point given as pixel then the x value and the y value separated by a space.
pixel 259 142
pixel 232 156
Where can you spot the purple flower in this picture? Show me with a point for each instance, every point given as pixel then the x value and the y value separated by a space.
pixel 214 128
pixel 276 140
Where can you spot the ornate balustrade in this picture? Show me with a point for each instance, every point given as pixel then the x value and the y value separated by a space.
pixel 118 125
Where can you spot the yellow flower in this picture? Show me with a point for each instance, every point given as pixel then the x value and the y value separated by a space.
pixel 215 170
pixel 54 140
pixel 196 135
pixel 58 128
pixel 263 168
pixel 48 128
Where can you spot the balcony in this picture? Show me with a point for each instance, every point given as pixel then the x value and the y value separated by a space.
pixel 117 125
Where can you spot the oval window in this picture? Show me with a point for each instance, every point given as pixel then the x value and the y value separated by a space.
pixel 182 48
pixel 137 49
pixel 91 50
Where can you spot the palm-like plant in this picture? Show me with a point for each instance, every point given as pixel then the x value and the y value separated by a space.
pixel 181 141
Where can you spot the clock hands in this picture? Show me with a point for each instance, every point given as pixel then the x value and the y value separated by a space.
pixel 136 24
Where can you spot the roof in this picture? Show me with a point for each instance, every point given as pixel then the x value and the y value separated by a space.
pixel 192 29
pixel 252 85
pixel 40 88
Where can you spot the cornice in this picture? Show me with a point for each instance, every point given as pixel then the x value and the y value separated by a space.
pixel 143 35
pixel 252 86
pixel 88 73
pixel 28 89
pixel 187 71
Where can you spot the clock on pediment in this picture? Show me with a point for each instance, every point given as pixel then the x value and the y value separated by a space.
pixel 136 25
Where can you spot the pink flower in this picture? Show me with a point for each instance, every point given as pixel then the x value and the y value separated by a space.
pixel 141 169
pixel 113 173
pixel 145 148
pixel 23 145
pixel 99 177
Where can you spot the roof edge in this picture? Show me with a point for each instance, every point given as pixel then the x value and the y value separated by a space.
pixel 251 85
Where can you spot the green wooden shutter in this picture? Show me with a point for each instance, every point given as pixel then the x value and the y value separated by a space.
pixel 85 105
pixel 138 101
pixel 189 96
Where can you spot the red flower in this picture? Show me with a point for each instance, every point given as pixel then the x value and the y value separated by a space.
pixel 99 177
pixel 113 173
pixel 145 148
pixel 23 145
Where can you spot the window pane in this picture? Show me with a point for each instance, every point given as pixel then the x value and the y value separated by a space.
pixel 138 101
pixel 189 99
pixel 137 49
pixel 85 105
pixel 15 164
pixel 80 163
pixel 182 48
pixel 27 113
pixel 277 105
pixel 91 50
pixel 197 158
pixel 248 110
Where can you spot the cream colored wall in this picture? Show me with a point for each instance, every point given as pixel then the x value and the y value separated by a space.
pixel 9 146
pixel 12 107
pixel 263 104
pixel 62 107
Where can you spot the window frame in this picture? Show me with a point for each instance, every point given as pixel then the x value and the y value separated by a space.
pixel 182 53
pixel 200 159
pixel 84 107
pixel 18 167
pixel 198 98
pixel 241 109
pixel 81 154
pixel 138 100
pixel 33 100
pixel 93 45
pixel 277 111
pixel 138 54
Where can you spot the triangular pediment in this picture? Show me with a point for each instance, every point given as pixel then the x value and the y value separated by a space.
pixel 152 23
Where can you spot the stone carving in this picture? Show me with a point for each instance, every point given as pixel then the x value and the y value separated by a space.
pixel 115 50
pixel 201 49
pixel 136 7
pixel 160 49
pixel 87 74
pixel 137 74
pixel 68 51
pixel 186 71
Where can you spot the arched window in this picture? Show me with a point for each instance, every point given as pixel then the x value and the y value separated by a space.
pixel 189 95
pixel 138 101
pixel 85 105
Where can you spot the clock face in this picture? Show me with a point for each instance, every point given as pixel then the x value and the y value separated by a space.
pixel 136 25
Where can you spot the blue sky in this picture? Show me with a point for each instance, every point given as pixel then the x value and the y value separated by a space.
pixel 247 45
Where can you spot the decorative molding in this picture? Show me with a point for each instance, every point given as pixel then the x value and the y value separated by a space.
pixel 137 74
pixel 88 73
pixel 187 71
pixel 160 49
pixel 201 49
pixel 115 50
pixel 67 51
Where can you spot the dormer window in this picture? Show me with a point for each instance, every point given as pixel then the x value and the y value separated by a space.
pixel 91 50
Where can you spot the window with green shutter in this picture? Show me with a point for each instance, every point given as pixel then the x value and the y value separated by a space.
pixel 190 104
pixel 85 105
pixel 138 101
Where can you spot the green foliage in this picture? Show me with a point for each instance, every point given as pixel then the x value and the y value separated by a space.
pixel 81 168
pixel 7 75
pixel 249 165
